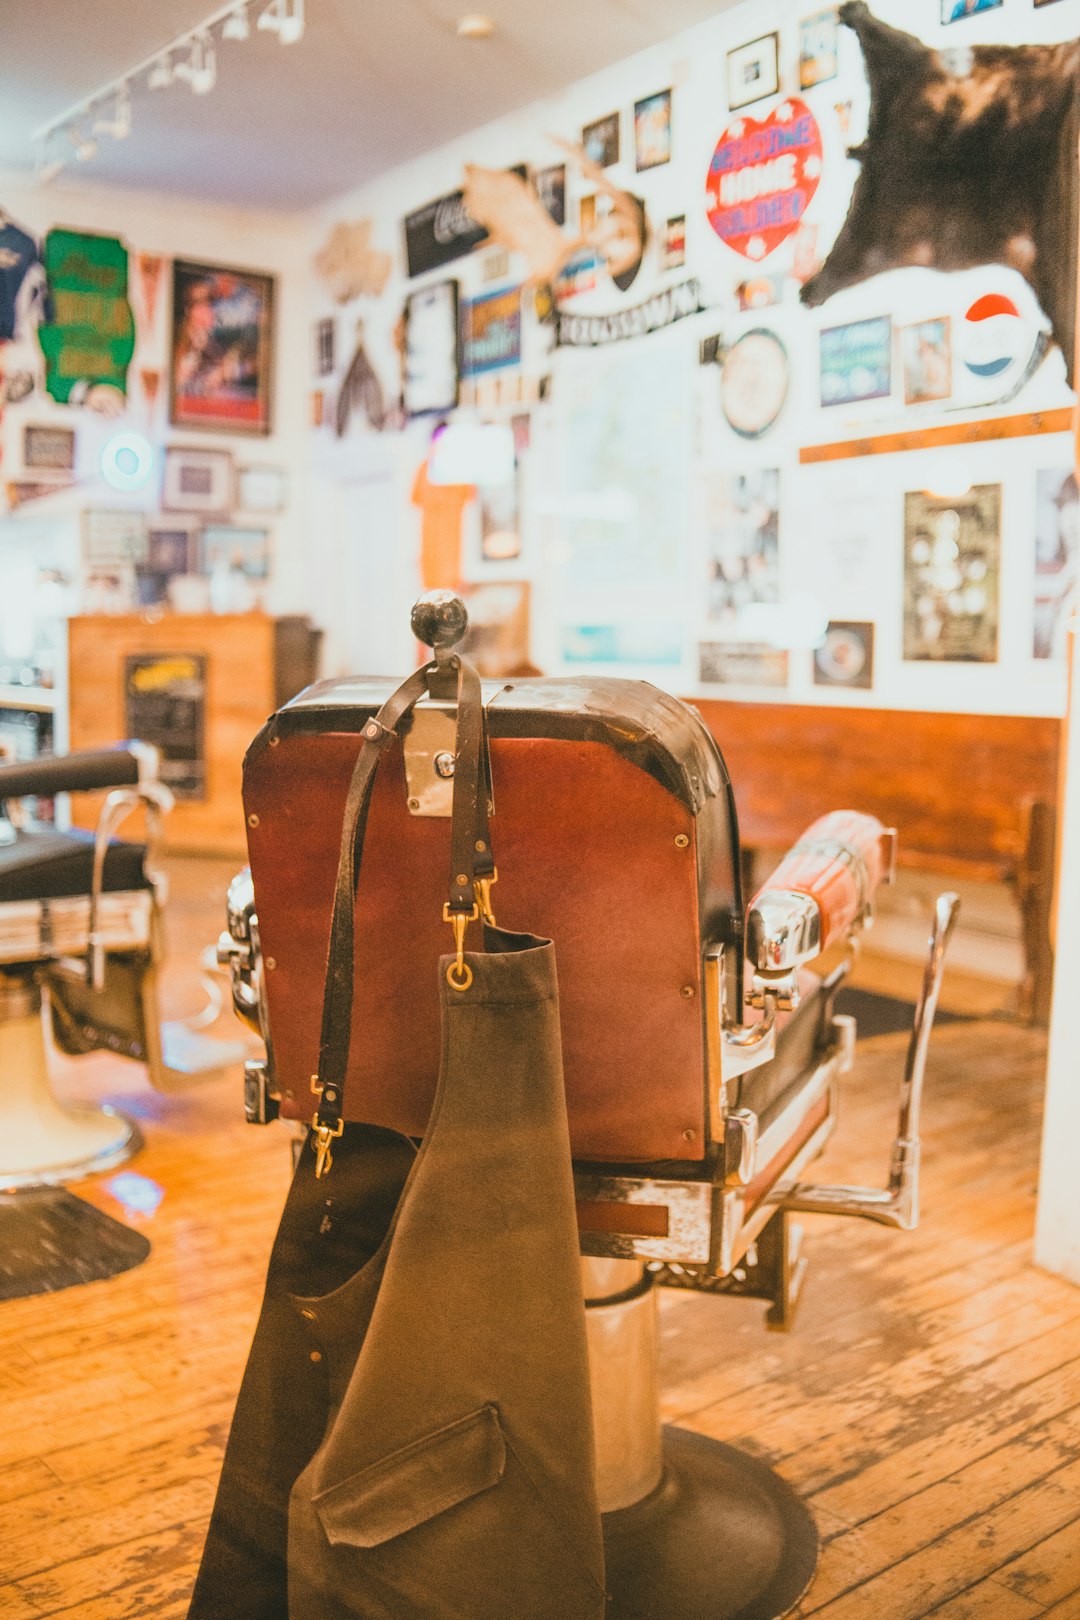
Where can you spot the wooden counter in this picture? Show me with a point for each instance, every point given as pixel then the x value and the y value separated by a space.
pixel 244 666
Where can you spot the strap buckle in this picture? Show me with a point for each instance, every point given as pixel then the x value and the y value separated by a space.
pixel 459 974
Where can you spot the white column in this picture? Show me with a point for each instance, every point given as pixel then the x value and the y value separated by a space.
pixel 1057 1231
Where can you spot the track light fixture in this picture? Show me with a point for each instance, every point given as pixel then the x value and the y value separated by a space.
pixel 190 57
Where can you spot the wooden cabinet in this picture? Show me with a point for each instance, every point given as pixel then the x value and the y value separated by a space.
pixel 223 673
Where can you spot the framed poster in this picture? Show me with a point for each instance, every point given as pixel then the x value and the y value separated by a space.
pixel 753 71
pixel 818 48
pixel 47 448
pixel 652 131
pixel 491 332
pixel 601 140
pixel 89 343
pixel 952 559
pixel 222 349
pixel 197 481
pixel 673 243
pixel 754 382
pixel 927 353
pixel 846 656
pixel 261 489
pixel 742 524
pixel 856 361
pixel 432 355
pixel 165 704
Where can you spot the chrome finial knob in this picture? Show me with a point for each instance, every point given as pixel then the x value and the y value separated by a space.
pixel 439 619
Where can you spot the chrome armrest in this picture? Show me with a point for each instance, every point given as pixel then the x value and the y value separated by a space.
pixel 154 797
pixel 783 931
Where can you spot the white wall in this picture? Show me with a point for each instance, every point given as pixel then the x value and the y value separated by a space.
pixel 866 493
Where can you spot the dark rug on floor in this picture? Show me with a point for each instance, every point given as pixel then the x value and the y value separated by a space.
pixel 885 1015
pixel 49 1240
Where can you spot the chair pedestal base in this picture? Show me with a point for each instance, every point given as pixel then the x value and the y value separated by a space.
pixel 692 1527
pixel 721 1538
pixel 44 1141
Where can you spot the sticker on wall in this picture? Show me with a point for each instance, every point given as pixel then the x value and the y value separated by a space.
pixel 600 141
pixel 89 342
pixel 348 263
pixel 818 48
pixel 491 332
pixel 754 383
pixel 662 309
pixel 495 266
pixel 856 361
pixel 952 548
pixel 993 336
pixel 846 656
pixel 652 131
pixel 741 663
pixel 579 276
pixel 927 351
pixel 762 178
pixel 1057 559
pixel 753 71
pixel 760 292
pixel 673 243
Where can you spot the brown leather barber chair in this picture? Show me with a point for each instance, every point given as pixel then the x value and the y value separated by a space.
pixel 79 920
pixel 702 1055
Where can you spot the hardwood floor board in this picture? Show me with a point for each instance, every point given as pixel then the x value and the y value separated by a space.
pixel 1049 1572
pixel 971 1491
pixel 988 1601
pixel 911 1586
pixel 870 1489
pixel 168 1556
pixel 1067 1609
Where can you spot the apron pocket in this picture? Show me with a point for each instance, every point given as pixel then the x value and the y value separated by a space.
pixel 413 1485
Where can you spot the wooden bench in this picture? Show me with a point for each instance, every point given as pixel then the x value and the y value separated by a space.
pixel 971 796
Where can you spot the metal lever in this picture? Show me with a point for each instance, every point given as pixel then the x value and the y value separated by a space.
pixel 898 1203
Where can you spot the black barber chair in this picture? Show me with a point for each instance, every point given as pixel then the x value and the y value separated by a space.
pixel 79 920
pixel 702 1055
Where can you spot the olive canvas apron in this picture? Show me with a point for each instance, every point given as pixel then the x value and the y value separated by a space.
pixel 453 1476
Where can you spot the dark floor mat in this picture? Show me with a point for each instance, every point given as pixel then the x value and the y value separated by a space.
pixel 49 1240
pixel 885 1015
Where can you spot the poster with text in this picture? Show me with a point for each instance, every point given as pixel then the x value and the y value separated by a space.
pixel 856 361
pixel 952 550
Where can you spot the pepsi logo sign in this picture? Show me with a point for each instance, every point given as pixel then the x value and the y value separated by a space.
pixel 762 178
pixel 993 336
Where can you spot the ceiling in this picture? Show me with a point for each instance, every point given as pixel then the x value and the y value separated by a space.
pixel 372 83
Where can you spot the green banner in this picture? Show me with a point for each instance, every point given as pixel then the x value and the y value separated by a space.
pixel 91 337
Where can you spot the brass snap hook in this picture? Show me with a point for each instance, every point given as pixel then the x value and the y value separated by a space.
pixel 482 890
pixel 459 974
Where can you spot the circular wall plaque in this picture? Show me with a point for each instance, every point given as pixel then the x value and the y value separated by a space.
pixel 754 382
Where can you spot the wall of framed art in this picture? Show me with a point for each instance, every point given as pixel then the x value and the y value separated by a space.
pixel 727 484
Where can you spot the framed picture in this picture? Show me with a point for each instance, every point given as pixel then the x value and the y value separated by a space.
pixel 952 567
pixel 953 10
pixel 601 140
pixel 246 551
pixel 432 354
pixel 856 361
pixel 742 663
pixel 818 48
pixel 491 332
pixel 927 352
pixel 197 481
pixel 550 185
pixel 47 448
pixel 652 131
pixel 1057 559
pixel 673 243
pixel 846 656
pixel 753 71
pixel 261 489
pixel 221 356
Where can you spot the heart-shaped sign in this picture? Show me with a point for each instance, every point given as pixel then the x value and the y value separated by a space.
pixel 762 177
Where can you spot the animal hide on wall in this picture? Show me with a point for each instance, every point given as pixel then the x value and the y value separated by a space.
pixel 970 158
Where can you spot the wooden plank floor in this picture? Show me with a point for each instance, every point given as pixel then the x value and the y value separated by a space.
pixel 927 1403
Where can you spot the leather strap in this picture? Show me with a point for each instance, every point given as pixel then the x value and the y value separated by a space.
pixel 471 860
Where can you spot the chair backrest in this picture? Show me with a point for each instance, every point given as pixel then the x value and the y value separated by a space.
pixel 615 835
